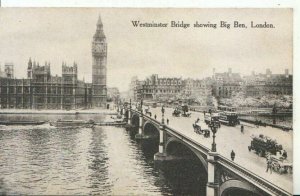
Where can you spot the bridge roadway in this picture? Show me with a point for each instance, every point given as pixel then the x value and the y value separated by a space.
pixel 230 138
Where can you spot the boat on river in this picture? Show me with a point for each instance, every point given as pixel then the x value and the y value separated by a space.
pixel 73 124
pixel 22 122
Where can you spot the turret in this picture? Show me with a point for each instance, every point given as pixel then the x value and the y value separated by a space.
pixel 29 69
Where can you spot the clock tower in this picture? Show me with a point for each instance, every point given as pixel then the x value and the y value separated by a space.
pixel 99 53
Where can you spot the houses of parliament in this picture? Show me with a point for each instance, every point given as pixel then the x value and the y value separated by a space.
pixel 41 90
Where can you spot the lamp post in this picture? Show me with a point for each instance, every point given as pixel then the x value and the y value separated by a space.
pixel 162 115
pixel 214 129
pixel 130 104
pixel 141 109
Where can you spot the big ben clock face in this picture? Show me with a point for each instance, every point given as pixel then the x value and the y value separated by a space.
pixel 97 48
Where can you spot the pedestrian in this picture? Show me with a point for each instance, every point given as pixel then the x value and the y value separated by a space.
pixel 155 116
pixel 150 114
pixel 242 128
pixel 269 165
pixel 204 113
pixel 232 155
pixel 167 121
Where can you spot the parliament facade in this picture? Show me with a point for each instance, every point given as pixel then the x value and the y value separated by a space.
pixel 41 90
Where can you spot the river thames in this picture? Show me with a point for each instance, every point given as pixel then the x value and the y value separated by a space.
pixel 104 160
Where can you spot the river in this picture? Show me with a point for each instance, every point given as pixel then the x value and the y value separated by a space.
pixel 104 160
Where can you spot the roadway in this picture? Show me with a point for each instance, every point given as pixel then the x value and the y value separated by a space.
pixel 230 138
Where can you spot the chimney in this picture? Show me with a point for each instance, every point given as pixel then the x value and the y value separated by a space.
pixel 268 72
pixel 229 70
pixel 286 73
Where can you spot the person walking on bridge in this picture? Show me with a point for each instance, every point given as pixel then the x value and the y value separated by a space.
pixel 155 116
pixel 269 165
pixel 167 121
pixel 232 155
pixel 242 128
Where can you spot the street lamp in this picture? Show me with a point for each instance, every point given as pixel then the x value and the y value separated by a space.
pixel 213 126
pixel 141 106
pixel 163 114
pixel 130 104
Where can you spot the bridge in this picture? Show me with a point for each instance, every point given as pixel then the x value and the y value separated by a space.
pixel 224 176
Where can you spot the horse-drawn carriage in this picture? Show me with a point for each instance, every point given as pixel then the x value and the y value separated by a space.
pixel 198 130
pixel 176 113
pixel 263 145
pixel 186 114
pixel 206 133
pixel 280 164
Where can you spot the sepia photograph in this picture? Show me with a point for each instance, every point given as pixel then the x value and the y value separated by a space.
pixel 146 101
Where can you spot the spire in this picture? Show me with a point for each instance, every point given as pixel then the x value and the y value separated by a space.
pixel 99 23
pixel 29 63
pixel 99 34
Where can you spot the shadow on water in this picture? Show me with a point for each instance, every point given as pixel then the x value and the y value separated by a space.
pixel 181 177
pixel 98 163
pixel 3 189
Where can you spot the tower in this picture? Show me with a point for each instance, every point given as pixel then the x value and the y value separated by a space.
pixel 99 54
pixel 29 69
pixel 9 70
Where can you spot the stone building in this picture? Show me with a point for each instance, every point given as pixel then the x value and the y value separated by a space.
pixel 155 88
pixel 268 83
pixel 225 84
pixel 41 90
pixel 134 87
pixel 99 53
pixel 196 87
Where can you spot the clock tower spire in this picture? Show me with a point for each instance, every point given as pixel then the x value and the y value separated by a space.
pixel 99 54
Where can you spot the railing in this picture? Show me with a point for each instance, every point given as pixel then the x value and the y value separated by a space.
pixel 179 135
pixel 251 177
pixel 232 166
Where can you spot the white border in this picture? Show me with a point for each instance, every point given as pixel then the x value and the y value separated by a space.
pixel 201 4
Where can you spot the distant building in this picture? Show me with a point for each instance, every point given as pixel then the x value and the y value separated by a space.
pixel 134 88
pixel 113 94
pixel 193 88
pixel 155 88
pixel 268 83
pixel 41 90
pixel 225 84
pixel 2 73
pixel 9 70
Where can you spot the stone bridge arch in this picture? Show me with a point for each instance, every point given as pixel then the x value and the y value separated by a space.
pixel 150 129
pixel 236 187
pixel 174 141
pixel 135 120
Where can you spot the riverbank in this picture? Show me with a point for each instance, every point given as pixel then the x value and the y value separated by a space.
pixel 282 122
pixel 55 112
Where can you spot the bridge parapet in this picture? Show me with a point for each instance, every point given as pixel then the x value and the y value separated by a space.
pixel 177 134
pixel 221 162
pixel 250 177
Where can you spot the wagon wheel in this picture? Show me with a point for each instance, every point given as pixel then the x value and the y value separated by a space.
pixel 281 170
pixel 290 169
pixel 276 168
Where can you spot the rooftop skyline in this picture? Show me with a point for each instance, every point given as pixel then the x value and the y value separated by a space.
pixel 65 35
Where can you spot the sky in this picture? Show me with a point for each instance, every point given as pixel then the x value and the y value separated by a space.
pixel 65 34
